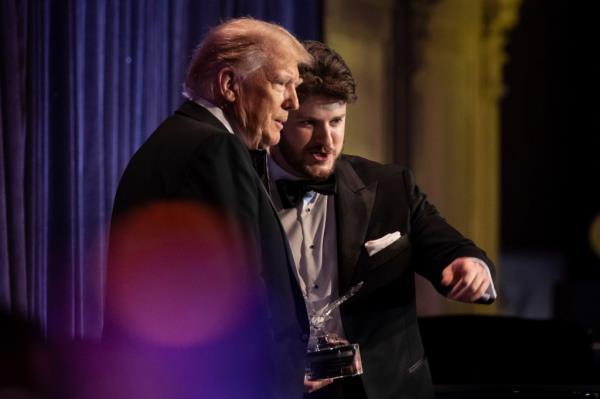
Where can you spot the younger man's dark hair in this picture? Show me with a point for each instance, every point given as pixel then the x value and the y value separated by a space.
pixel 329 76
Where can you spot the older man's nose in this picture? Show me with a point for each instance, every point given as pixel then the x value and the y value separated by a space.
pixel 291 101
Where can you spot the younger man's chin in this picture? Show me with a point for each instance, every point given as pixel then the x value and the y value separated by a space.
pixel 321 173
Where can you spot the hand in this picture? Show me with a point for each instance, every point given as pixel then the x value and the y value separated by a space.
pixel 467 278
pixel 311 386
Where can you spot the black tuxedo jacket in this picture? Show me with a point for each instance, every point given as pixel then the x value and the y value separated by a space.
pixel 373 200
pixel 192 157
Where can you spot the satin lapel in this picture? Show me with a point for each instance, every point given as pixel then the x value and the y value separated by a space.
pixel 353 203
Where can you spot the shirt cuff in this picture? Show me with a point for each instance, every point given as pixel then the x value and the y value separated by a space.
pixel 490 293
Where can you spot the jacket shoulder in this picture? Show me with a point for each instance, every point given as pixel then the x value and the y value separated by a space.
pixel 370 171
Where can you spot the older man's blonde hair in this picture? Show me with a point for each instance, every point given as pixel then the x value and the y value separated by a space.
pixel 243 44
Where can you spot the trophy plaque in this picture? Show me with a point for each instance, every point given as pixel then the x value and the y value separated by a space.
pixel 330 356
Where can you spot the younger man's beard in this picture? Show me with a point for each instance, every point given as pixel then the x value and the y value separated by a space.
pixel 324 176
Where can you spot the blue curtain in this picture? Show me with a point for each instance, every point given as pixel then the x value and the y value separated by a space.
pixel 83 83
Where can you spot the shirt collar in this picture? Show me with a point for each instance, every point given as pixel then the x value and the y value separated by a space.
pixel 216 111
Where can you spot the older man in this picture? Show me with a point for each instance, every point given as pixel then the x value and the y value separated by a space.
pixel 241 84
pixel 349 220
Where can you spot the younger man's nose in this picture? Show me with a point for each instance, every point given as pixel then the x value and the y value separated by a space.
pixel 323 134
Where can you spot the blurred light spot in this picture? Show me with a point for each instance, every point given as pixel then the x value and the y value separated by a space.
pixel 177 275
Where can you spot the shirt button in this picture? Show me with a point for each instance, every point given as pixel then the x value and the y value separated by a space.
pixel 311 247
pixel 307 209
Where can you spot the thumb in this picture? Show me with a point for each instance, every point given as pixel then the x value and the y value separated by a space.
pixel 447 275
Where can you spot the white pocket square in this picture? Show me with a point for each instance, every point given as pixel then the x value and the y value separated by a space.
pixel 377 245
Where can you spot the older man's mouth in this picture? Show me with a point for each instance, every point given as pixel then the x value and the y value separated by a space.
pixel 279 123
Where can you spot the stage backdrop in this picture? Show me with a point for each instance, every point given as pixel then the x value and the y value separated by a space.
pixel 82 84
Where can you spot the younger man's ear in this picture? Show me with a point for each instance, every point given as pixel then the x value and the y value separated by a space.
pixel 227 85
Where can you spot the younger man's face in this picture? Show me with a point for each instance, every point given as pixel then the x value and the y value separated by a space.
pixel 312 138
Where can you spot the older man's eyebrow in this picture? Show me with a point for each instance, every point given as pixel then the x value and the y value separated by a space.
pixel 284 76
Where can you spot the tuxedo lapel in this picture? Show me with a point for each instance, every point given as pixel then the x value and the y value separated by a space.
pixel 353 203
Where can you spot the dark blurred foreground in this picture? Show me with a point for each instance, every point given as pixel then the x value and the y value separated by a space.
pixel 470 357
pixel 509 357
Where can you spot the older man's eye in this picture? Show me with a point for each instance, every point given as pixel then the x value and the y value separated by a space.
pixel 278 85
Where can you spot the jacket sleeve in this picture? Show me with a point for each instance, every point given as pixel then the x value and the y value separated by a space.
pixel 436 243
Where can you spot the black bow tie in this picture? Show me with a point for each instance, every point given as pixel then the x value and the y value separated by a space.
pixel 292 191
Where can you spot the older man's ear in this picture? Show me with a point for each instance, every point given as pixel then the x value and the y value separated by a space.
pixel 226 84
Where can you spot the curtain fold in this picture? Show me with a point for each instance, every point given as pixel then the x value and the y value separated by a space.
pixel 83 83
pixel 13 282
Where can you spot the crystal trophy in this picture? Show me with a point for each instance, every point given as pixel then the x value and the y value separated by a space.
pixel 330 356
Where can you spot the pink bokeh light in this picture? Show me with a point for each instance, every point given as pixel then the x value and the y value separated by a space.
pixel 178 274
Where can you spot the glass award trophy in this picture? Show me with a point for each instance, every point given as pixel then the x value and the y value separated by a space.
pixel 330 356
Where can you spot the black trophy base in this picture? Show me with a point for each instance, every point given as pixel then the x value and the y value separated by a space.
pixel 335 361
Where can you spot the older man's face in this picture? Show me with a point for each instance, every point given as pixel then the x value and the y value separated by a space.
pixel 265 97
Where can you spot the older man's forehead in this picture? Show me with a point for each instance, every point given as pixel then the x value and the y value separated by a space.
pixel 287 69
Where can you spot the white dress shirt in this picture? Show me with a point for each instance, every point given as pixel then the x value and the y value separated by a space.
pixel 311 231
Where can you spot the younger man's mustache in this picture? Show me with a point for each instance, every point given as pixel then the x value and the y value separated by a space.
pixel 321 149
